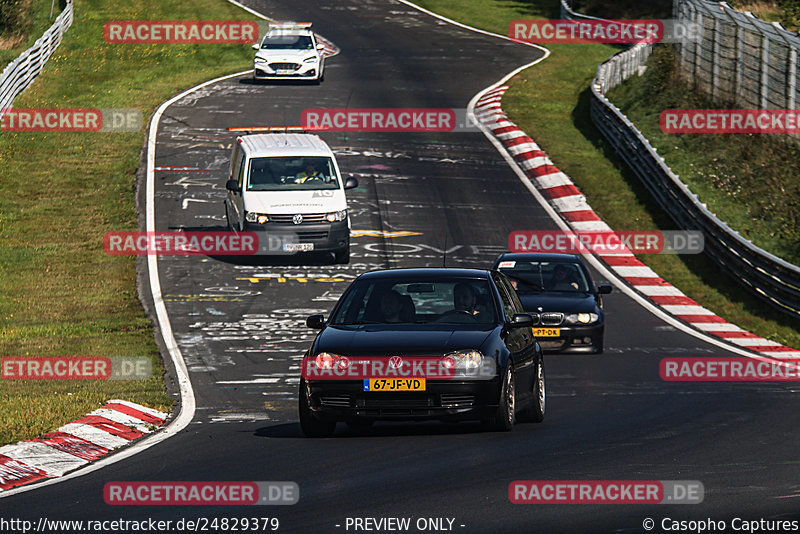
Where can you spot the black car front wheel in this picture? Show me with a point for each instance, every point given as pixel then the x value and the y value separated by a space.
pixel 504 418
pixel 310 424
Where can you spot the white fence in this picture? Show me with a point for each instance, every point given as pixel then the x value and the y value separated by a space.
pixel 763 274
pixel 739 59
pixel 21 72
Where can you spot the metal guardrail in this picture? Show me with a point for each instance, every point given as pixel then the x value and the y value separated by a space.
pixel 21 72
pixel 765 275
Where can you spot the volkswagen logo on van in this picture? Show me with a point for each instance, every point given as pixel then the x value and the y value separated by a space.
pixel 297 219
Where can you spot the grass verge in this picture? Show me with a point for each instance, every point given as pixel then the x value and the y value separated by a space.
pixel 550 102
pixel 60 293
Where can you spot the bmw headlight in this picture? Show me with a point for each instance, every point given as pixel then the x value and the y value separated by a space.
pixel 336 216
pixel 581 318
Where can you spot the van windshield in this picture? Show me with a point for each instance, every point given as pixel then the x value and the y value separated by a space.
pixel 292 173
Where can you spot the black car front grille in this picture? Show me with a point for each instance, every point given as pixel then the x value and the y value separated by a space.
pixel 392 401
pixel 456 400
pixel 552 318
pixel 340 401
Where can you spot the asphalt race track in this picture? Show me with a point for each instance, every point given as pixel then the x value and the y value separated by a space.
pixel 240 324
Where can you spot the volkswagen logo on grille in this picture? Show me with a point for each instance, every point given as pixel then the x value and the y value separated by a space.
pixel 395 362
pixel 297 219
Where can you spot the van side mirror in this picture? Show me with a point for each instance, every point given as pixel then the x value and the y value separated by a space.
pixel 604 289
pixel 316 321
pixel 232 185
pixel 350 183
pixel 320 46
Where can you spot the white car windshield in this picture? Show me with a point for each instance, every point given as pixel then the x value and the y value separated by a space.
pixel 287 42
pixel 288 173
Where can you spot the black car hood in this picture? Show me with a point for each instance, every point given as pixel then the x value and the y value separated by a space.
pixel 567 302
pixel 392 340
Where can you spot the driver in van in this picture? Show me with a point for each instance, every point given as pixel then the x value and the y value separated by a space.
pixel 311 173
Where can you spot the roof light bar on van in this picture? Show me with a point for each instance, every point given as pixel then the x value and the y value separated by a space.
pixel 253 129
pixel 290 25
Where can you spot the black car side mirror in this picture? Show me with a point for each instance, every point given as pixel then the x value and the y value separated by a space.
pixel 521 320
pixel 232 185
pixel 604 289
pixel 316 321
pixel 350 183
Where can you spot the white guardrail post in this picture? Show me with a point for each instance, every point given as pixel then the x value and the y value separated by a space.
pixel 763 274
pixel 21 72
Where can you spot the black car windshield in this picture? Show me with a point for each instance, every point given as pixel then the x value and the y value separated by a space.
pixel 420 301
pixel 292 173
pixel 538 276
pixel 287 42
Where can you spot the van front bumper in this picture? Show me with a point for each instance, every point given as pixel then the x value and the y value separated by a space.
pixel 287 239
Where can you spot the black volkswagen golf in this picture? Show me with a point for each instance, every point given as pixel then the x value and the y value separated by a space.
pixel 417 344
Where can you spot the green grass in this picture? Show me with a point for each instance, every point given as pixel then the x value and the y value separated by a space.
pixel 60 294
pixel 747 180
pixel 550 101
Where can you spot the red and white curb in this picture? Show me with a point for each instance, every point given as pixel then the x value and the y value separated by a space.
pixel 572 207
pixel 76 444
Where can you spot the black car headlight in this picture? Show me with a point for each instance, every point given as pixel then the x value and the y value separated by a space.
pixel 469 363
pixel 581 318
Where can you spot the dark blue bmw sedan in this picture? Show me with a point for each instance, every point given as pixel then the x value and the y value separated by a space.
pixel 417 344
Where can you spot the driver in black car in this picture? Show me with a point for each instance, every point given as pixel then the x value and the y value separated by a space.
pixel 464 299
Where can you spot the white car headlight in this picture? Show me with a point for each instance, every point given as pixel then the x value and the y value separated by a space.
pixel 310 59
pixel 260 60
pixel 260 218
pixel 336 216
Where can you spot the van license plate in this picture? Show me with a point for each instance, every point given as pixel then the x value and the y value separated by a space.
pixel 298 247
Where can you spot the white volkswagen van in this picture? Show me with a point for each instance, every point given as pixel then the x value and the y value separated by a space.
pixel 287 188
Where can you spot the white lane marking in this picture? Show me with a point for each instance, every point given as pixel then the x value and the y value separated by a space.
pixel 253 381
